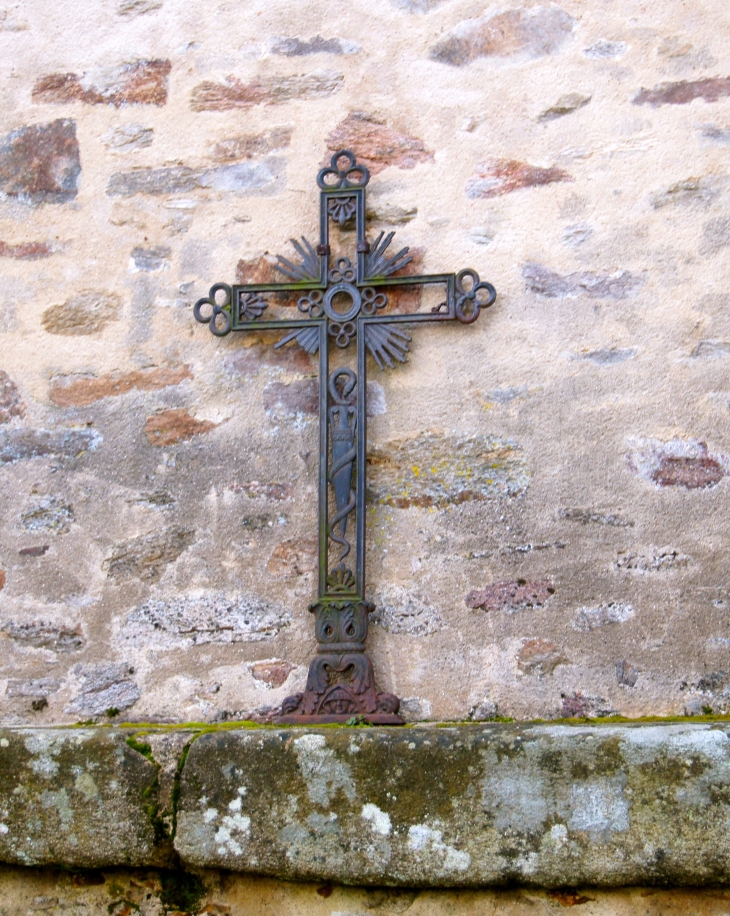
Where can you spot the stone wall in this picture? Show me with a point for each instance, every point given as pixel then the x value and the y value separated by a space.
pixel 548 492
pixel 152 893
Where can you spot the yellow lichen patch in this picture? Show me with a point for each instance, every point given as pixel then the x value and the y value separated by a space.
pixel 444 470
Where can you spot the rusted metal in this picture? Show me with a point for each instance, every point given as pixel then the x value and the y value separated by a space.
pixel 341 302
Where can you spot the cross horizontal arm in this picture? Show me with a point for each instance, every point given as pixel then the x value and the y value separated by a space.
pixel 422 280
pixel 285 324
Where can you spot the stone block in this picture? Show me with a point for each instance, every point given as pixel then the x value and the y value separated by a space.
pixel 377 144
pixel 88 312
pixel 511 596
pixel 41 163
pixel 297 47
pixel 431 470
pixel 620 284
pixel 266 90
pixel 140 82
pixel 146 557
pixel 684 463
pixel 199 619
pixel 11 404
pixel 20 444
pixel 79 798
pixel 496 177
pixel 681 93
pixel 26 251
pixel 80 392
pixel 536 32
pixel 250 146
pixel 547 805
pixel 175 425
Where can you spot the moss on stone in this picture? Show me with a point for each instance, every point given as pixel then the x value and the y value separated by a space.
pixel 182 891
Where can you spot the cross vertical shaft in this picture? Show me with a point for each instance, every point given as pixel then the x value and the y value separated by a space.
pixel 340 302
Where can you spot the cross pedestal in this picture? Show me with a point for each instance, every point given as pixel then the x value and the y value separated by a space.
pixel 341 302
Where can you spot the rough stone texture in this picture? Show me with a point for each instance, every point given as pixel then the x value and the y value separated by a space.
pixel 84 391
pixel 43 635
pixel 377 144
pixel 596 285
pixel 540 656
pixel 131 8
pixel 204 618
pixel 49 514
pixel 142 82
pixel 41 163
pixel 129 137
pixel 63 790
pixel 434 471
pixel 221 893
pixel 401 610
pixel 150 260
pixel 26 251
pixel 500 176
pixel 171 426
pixel 677 463
pixel 249 146
pixel 590 618
pixel 272 672
pixel 11 404
pixel 20 444
pixel 529 32
pixel 566 104
pixel 145 557
pixel 293 557
pixel 543 805
pixel 297 47
pixel 232 93
pixel 104 690
pixel 87 312
pixel 511 596
pixel 240 178
pixel 710 89
pixel 690 191
pixel 613 345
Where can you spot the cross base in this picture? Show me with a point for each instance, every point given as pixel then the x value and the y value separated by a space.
pixel 341 683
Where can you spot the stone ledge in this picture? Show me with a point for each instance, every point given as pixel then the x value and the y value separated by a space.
pixel 81 798
pixel 464 806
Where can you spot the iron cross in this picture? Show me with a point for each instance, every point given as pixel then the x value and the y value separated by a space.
pixel 340 302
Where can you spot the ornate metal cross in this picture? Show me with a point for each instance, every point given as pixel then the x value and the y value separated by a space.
pixel 340 302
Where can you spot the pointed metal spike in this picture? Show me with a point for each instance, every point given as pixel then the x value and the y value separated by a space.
pixel 307 338
pixel 402 335
pixel 309 268
pixel 379 357
pixel 396 262
pixel 298 248
pixel 310 248
pixel 286 267
pixel 285 340
pixel 397 352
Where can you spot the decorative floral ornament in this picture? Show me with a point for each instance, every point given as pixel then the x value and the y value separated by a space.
pixel 343 272
pixel 250 306
pixel 312 304
pixel 372 301
pixel 217 309
pixel 343 332
pixel 341 209
pixel 480 295
pixel 335 176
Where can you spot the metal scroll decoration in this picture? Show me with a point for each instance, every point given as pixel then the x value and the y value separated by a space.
pixel 343 302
